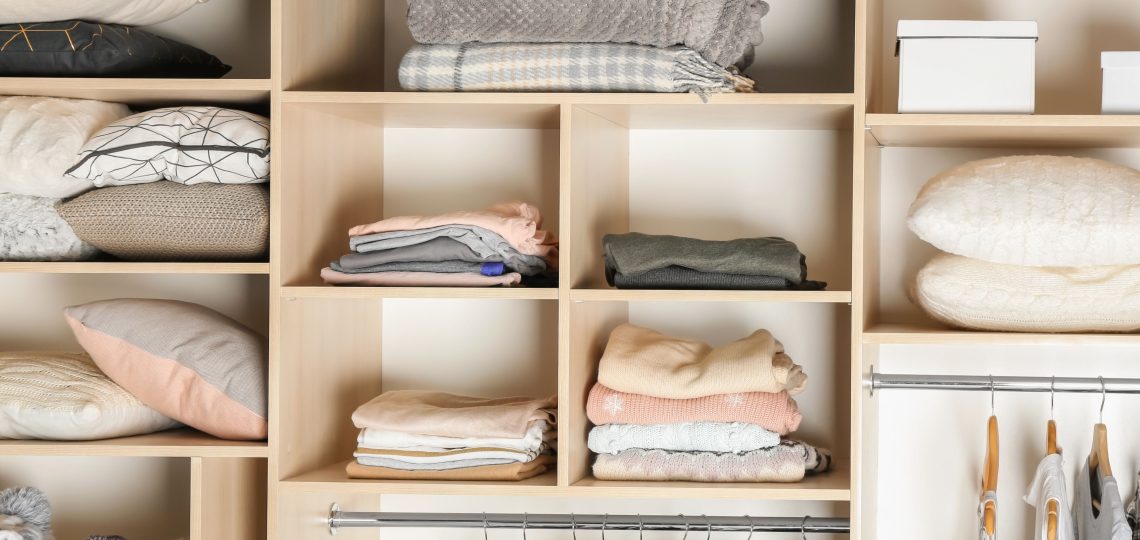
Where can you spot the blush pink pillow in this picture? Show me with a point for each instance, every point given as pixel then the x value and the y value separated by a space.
pixel 186 361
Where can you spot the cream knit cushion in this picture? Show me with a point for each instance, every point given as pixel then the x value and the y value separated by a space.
pixel 642 361
pixel 976 294
pixel 1033 210
pixel 64 396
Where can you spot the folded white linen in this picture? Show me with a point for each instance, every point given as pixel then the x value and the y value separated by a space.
pixel 413 456
pixel 538 433
pixel 720 437
pixel 448 466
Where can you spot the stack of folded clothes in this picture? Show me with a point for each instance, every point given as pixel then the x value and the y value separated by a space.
pixel 419 435
pixel 674 409
pixel 582 46
pixel 496 246
pixel 643 261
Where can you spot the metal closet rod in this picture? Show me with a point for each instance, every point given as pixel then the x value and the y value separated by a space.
pixel 999 383
pixel 589 522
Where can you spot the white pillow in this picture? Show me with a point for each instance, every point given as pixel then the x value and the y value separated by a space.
pixel 128 12
pixel 982 295
pixel 1033 210
pixel 31 229
pixel 63 396
pixel 39 137
pixel 188 145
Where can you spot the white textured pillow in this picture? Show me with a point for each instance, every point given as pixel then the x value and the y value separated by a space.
pixel 63 396
pixel 982 295
pixel 128 12
pixel 1033 210
pixel 188 145
pixel 39 137
pixel 31 229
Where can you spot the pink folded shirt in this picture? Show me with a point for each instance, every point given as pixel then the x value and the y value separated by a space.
pixel 517 222
pixel 419 279
pixel 448 415
pixel 774 412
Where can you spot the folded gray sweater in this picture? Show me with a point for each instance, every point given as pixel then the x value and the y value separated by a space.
pixel 434 250
pixel 725 32
pixel 441 267
pixel 632 254
pixel 483 242
pixel 680 278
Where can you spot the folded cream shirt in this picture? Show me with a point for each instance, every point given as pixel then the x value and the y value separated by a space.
pixel 539 432
pixel 642 361
pixel 447 415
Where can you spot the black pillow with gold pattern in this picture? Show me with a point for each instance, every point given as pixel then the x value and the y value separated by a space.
pixel 83 49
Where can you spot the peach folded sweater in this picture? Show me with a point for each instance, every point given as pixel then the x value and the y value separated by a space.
pixel 449 415
pixel 643 361
pixel 517 222
pixel 774 412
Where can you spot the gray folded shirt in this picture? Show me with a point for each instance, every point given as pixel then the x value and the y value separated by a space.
pixel 484 243
pixel 435 250
pixel 632 254
pixel 441 267
pixel 677 277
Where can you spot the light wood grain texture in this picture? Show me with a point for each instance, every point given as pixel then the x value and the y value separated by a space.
pixel 590 327
pixel 825 101
pixel 119 267
pixel 988 130
pixel 145 92
pixel 897 334
pixel 334 479
pixel 599 194
pixel 175 443
pixel 228 498
pixel 332 45
pixel 627 295
pixel 305 515
pixel 502 293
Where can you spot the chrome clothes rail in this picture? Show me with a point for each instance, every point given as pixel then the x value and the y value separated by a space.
pixel 589 522
pixel 985 383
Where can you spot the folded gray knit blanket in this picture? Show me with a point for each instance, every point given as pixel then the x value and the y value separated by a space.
pixel 723 31
pixel 564 67
pixel 632 254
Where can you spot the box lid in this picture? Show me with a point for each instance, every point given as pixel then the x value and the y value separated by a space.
pixel 1120 59
pixel 908 29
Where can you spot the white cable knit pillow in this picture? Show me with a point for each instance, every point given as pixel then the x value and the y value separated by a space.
pixel 1034 211
pixel 64 396
pixel 128 12
pixel 981 295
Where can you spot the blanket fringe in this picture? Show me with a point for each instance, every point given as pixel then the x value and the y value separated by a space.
pixel 693 73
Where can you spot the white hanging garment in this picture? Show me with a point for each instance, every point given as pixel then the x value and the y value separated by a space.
pixel 1049 484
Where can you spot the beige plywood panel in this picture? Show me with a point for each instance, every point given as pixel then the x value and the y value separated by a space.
pixel 236 31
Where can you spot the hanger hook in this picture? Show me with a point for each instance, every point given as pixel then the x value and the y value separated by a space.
pixel 1103 397
pixel 640 527
pixel 605 521
pixel 993 390
pixel 803 528
pixel 708 525
pixel 1052 395
pixel 525 523
pixel 751 526
pixel 573 526
pixel 686 520
pixel 484 526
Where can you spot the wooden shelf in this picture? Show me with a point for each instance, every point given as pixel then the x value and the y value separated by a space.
pixel 619 295
pixel 832 486
pixel 989 130
pixel 495 293
pixel 144 91
pixel 582 98
pixel 175 443
pixel 120 267
pixel 898 334
pixel 333 478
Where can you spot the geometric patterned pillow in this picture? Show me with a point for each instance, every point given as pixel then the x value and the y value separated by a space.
pixel 188 145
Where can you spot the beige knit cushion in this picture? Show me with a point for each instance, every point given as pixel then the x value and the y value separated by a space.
pixel 642 361
pixel 981 295
pixel 166 221
pixel 63 396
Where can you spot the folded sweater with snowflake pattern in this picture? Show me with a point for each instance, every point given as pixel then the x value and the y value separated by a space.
pixel 775 412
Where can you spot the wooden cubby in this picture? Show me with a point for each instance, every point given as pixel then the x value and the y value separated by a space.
pixel 821 157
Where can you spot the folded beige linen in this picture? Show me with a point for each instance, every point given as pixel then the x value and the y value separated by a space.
pixel 508 472
pixel 419 279
pixel 517 222
pixel 642 361
pixel 449 415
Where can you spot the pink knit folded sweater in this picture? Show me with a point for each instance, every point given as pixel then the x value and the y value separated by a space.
pixel 518 223
pixel 774 412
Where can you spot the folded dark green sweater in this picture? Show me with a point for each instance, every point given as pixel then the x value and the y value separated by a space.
pixel 680 278
pixel 633 254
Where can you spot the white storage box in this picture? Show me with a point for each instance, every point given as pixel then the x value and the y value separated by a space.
pixel 967 66
pixel 1120 92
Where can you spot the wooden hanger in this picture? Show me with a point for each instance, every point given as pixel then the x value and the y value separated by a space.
pixel 1051 507
pixel 990 475
pixel 1098 459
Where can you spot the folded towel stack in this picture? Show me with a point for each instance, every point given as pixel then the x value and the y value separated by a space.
pixel 674 409
pixel 643 261
pixel 584 46
pixel 415 435
pixel 496 246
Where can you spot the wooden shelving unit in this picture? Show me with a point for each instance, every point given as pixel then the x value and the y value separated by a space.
pixel 170 444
